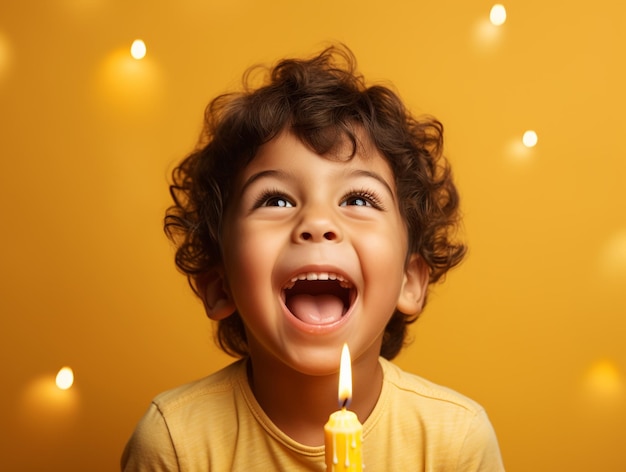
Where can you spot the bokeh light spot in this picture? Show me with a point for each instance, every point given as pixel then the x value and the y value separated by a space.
pixel 497 15
pixel 65 378
pixel 604 379
pixel 138 49
pixel 5 55
pixel 529 139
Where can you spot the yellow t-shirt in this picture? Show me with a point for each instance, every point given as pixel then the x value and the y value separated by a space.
pixel 215 424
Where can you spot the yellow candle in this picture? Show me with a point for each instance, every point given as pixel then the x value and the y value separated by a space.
pixel 343 433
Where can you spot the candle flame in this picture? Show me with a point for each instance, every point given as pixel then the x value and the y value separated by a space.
pixel 345 377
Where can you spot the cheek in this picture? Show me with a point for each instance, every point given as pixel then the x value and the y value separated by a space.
pixel 387 240
pixel 384 258
pixel 249 260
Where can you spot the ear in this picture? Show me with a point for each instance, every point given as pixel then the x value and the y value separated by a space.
pixel 214 292
pixel 414 287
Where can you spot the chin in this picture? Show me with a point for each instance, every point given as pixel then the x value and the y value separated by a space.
pixel 316 361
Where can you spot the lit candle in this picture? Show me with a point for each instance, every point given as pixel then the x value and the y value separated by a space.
pixel 343 434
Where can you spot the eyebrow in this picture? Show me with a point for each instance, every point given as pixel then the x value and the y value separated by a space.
pixel 375 176
pixel 282 175
pixel 279 174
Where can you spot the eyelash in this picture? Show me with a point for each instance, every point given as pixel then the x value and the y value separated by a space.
pixel 268 195
pixel 369 196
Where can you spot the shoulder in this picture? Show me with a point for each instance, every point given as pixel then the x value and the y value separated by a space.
pixel 418 389
pixel 192 394
pixel 451 427
pixel 162 439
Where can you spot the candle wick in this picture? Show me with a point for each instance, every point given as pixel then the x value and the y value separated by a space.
pixel 344 404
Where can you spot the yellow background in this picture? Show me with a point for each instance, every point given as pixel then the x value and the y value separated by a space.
pixel 532 325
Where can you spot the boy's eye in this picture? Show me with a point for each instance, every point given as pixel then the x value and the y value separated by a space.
pixel 361 198
pixel 356 201
pixel 273 199
pixel 278 201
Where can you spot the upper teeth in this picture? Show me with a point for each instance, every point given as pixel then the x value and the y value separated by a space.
pixel 319 276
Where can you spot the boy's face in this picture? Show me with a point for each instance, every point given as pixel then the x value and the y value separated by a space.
pixel 315 253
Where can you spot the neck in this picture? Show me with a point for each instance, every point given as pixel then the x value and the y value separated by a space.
pixel 300 404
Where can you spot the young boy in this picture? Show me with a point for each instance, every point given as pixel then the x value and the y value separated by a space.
pixel 315 212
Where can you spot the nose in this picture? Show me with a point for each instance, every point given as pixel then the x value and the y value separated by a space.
pixel 316 226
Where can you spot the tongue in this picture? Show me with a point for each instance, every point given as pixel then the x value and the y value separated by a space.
pixel 316 309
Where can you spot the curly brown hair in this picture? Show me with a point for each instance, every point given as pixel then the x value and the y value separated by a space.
pixel 323 101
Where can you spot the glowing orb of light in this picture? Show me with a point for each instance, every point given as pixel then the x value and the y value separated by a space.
pixel 138 49
pixel 529 139
pixel 65 378
pixel 497 15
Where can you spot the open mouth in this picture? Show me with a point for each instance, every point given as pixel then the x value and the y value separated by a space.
pixel 318 298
